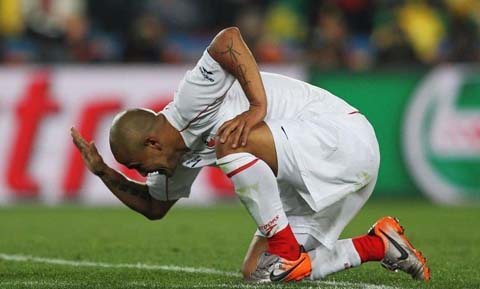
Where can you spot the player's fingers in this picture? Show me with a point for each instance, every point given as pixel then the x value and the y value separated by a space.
pixel 237 134
pixel 78 139
pixel 94 149
pixel 222 129
pixel 73 130
pixel 245 134
pixel 78 143
pixel 227 132
pixel 75 133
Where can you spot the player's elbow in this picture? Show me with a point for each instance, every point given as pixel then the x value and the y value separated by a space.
pixel 230 32
pixel 154 215
pixel 224 38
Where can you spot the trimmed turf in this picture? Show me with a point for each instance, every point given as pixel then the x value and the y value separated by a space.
pixel 213 237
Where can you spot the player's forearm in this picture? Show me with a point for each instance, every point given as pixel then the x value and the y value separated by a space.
pixel 132 194
pixel 231 52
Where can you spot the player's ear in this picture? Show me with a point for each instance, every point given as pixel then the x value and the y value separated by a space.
pixel 152 142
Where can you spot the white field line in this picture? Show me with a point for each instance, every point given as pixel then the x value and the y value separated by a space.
pixel 140 266
pixel 134 284
pixel 24 258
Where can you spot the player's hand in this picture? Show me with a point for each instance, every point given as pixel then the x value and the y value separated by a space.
pixel 89 152
pixel 238 128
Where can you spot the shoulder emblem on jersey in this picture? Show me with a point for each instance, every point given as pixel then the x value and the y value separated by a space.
pixel 206 74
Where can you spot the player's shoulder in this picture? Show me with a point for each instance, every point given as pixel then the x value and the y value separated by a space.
pixel 281 79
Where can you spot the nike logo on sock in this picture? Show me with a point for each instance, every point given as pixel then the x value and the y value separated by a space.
pixel 403 253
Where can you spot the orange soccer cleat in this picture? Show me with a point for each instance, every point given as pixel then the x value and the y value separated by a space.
pixel 399 252
pixel 272 268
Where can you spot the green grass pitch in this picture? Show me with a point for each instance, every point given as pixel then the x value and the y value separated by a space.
pixel 80 247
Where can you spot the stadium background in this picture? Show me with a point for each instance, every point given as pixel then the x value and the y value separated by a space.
pixel 67 62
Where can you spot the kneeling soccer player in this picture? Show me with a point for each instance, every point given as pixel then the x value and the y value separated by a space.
pixel 303 163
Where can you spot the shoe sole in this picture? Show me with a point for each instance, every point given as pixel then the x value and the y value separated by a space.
pixel 393 223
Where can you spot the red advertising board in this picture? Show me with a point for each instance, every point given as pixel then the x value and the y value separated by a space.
pixel 38 107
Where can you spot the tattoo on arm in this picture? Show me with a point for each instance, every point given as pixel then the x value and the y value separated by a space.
pixel 132 190
pixel 241 71
pixel 231 52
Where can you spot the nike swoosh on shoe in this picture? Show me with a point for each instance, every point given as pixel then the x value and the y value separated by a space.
pixel 281 276
pixel 403 253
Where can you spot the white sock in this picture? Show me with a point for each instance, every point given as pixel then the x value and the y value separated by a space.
pixel 325 262
pixel 257 188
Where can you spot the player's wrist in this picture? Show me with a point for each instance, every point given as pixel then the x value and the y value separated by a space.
pixel 258 113
pixel 258 108
pixel 101 170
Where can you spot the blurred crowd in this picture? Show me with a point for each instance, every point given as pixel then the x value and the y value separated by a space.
pixel 330 34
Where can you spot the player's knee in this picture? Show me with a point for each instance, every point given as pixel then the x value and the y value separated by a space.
pixel 221 149
pixel 247 270
pixel 225 149
pixel 256 134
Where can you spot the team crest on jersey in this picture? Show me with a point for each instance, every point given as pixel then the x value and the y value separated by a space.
pixel 210 141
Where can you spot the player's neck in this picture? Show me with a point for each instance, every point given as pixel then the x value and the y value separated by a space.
pixel 173 136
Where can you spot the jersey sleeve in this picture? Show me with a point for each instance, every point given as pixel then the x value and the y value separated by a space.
pixel 199 96
pixel 178 186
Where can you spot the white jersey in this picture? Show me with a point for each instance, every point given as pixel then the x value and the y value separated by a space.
pixel 327 152
pixel 208 96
